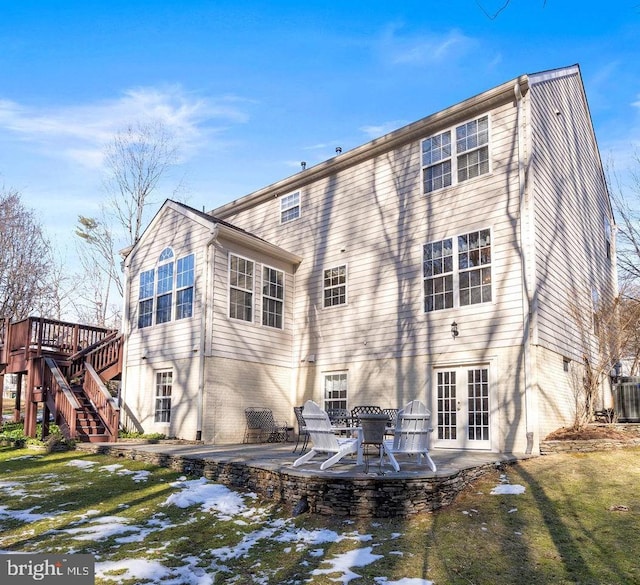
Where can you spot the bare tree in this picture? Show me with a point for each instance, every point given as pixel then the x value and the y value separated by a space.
pixel 137 160
pixel 626 200
pixel 630 320
pixel 25 259
pixel 606 329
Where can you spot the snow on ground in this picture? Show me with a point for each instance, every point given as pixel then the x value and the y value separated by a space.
pixel 506 488
pixel 205 497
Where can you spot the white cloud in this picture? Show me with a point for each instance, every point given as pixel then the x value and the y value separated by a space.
pixel 424 48
pixel 79 132
pixel 376 130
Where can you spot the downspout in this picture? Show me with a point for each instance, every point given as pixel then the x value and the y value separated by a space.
pixel 126 331
pixel 525 241
pixel 204 321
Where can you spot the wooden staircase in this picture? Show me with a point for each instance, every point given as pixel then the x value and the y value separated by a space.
pixel 67 366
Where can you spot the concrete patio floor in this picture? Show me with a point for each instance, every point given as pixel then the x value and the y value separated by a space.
pixel 277 456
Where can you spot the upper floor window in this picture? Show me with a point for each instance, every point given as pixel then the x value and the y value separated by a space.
pixel 241 273
pixel 157 286
pixel 164 287
pixel 608 237
pixel 272 297
pixel 335 286
pixel 185 271
pixel 290 207
pixel 467 157
pixel 457 271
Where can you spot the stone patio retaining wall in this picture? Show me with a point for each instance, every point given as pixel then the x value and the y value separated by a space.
pixel 374 496
pixel 632 430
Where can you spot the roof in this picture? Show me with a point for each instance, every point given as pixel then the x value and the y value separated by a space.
pixel 219 228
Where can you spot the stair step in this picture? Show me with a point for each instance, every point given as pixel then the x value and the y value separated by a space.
pixel 102 438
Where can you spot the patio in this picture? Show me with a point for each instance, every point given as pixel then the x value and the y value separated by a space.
pixel 345 489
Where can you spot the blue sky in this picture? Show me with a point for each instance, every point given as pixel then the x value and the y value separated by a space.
pixel 253 88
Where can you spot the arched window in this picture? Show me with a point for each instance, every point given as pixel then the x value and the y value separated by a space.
pixel 166 292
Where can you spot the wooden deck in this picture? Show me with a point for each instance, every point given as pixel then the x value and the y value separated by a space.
pixel 65 366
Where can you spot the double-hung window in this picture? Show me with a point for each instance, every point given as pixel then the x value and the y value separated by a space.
pixel 272 297
pixel 437 268
pixel 290 207
pixel 464 157
pixel 335 391
pixel 457 271
pixel 166 292
pixel 335 286
pixel 145 296
pixel 164 287
pixel 184 287
pixel 241 273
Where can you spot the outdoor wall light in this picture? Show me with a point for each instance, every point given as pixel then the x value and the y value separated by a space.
pixel 454 330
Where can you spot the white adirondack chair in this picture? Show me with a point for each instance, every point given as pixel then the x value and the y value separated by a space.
pixel 412 433
pixel 325 439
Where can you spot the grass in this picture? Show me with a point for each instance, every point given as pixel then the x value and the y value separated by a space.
pixel 578 522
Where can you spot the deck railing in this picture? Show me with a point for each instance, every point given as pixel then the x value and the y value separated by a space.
pixel 106 406
pixel 36 334
pixel 60 399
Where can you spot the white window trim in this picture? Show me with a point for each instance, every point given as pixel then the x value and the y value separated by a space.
pixel 457 271
pixel 285 208
pixel 346 287
pixel 325 375
pixel 173 292
pixel 157 397
pixel 455 154
pixel 263 296
pixel 253 291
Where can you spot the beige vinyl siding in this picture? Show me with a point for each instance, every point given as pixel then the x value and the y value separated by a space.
pixel 243 340
pixel 374 218
pixel 559 389
pixel 176 338
pixel 570 206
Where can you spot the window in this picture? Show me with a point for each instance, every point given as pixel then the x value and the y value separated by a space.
pixel 290 207
pixel 335 391
pixel 240 288
pixel 145 304
pixel 437 270
pixel 436 160
pixel 607 237
pixel 335 286
pixel 468 158
pixel 474 263
pixel 157 286
pixel 164 382
pixel 164 287
pixel 272 297
pixel 184 287
pixel 457 271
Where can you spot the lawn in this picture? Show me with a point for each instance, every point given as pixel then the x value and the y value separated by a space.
pixel 550 520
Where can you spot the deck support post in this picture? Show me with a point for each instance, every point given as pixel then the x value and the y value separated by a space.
pixel 16 408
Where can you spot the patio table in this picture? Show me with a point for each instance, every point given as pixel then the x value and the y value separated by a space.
pixel 371 432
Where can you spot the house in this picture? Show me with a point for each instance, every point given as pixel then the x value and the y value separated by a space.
pixel 443 262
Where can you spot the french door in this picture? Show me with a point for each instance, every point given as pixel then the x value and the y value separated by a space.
pixel 463 416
